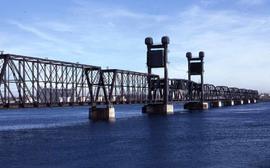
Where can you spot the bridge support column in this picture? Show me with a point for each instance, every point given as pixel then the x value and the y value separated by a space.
pixel 253 101
pixel 102 113
pixel 229 103
pixel 157 57
pixel 217 103
pixel 158 109
pixel 247 101
pixel 238 102
pixel 196 67
pixel 196 105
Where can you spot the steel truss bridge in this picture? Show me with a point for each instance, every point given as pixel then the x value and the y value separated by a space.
pixel 36 82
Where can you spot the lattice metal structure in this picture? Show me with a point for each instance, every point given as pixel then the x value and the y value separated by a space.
pixel 35 82
pixel 32 82
pixel 124 86
pixel 178 89
pixel 157 57
pixel 196 68
pixel 212 92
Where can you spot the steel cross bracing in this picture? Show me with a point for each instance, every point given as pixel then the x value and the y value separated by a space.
pixel 131 87
pixel 33 82
pixel 228 93
pixel 36 82
pixel 125 86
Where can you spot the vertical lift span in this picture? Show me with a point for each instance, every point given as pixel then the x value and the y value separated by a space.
pixel 196 67
pixel 157 57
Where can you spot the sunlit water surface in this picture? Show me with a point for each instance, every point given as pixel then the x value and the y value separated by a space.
pixel 237 136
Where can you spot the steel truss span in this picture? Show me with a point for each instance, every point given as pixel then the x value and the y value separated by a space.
pixel 36 82
pixel 125 86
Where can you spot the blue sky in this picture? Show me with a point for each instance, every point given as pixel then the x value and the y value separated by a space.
pixel 235 34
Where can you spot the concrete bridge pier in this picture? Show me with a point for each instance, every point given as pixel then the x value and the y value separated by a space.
pixel 238 102
pixel 247 101
pixel 253 101
pixel 229 103
pixel 195 105
pixel 106 113
pixel 216 103
pixel 158 109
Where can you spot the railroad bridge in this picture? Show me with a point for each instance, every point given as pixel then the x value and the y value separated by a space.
pixel 39 82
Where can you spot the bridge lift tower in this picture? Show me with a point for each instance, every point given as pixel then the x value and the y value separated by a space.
pixel 157 57
pixel 196 67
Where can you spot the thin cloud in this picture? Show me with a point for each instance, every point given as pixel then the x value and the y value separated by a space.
pixel 55 26
pixel 114 12
pixel 38 33
pixel 251 2
pixel 236 44
pixel 128 14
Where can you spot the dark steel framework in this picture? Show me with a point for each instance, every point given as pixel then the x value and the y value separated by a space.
pixel 36 82
pixel 125 86
pixel 128 87
pixel 196 67
pixel 157 57
pixel 33 82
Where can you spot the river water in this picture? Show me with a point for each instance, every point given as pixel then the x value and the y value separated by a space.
pixel 237 136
